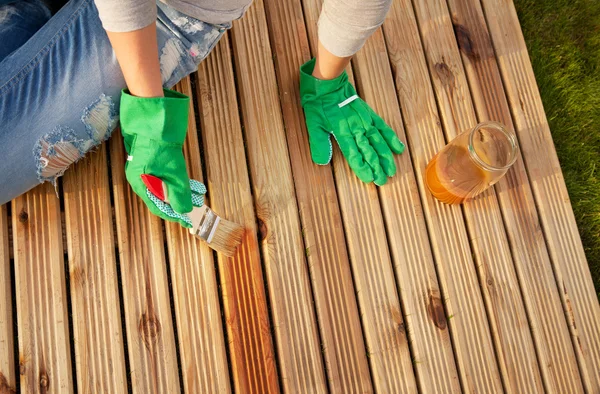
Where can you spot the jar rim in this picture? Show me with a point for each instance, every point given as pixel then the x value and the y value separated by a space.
pixel 510 136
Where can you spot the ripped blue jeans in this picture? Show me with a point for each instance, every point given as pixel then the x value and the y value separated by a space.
pixel 60 83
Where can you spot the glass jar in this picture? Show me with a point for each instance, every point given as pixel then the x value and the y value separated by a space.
pixel 471 163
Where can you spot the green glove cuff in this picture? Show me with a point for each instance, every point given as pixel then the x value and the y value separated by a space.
pixel 158 118
pixel 312 88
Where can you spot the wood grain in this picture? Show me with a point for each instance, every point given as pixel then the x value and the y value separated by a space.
pixel 426 321
pixel 252 354
pixel 43 326
pixel 97 333
pixel 465 309
pixel 579 299
pixel 7 361
pixel 195 293
pixel 380 308
pixel 148 319
pixel 532 262
pixel 294 321
pixel 505 309
pixel 335 300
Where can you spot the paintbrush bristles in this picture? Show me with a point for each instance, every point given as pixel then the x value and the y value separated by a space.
pixel 227 238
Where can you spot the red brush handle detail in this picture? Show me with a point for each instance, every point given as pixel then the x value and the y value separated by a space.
pixel 155 185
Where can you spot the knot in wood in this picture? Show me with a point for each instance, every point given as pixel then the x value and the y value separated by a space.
pixel 435 310
pixel 44 381
pixel 465 43
pixel 23 216
pixel 149 328
pixel 263 230
pixel 22 368
pixel 445 74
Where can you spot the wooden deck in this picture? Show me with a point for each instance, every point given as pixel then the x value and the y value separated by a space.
pixel 339 286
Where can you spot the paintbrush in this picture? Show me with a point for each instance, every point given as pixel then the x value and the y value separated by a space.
pixel 219 234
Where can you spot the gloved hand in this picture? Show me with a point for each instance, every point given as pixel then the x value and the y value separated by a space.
pixel 154 130
pixel 366 141
pixel 198 192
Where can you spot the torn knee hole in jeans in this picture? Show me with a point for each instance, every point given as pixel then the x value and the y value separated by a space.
pixel 56 151
pixel 60 148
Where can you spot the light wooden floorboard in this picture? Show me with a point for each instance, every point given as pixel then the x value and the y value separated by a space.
pixel 7 366
pixel 97 333
pixel 43 325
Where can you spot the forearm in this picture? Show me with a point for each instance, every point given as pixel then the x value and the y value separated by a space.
pixel 328 65
pixel 137 53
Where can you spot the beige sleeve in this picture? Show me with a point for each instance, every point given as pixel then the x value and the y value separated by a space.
pixel 126 15
pixel 345 25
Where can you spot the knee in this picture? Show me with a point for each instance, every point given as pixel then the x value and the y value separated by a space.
pixel 55 151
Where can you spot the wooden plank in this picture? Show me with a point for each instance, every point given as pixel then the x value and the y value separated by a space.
pixel 296 333
pixel 7 361
pixel 195 294
pixel 426 325
pixel 473 347
pixel 571 270
pixel 253 364
pixel 506 312
pixel 148 319
pixel 43 326
pixel 335 300
pixel 98 337
pixel 532 262
pixel 383 323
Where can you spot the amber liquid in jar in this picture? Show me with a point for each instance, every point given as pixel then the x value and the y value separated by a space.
pixel 454 178
pixel 471 163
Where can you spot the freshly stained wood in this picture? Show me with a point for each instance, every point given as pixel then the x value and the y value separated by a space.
pixel 97 334
pixel 335 300
pixel 195 294
pixel 294 321
pixel 469 329
pixel 383 323
pixel 252 355
pixel 426 322
pixel 571 270
pixel 43 325
pixel 540 293
pixel 7 365
pixel 505 309
pixel 148 319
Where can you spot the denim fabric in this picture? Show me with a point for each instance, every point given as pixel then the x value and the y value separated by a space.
pixel 19 21
pixel 60 90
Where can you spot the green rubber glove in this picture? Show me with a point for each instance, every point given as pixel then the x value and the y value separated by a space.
pixel 333 107
pixel 154 130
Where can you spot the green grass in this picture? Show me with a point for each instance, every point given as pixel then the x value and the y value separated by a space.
pixel 563 38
